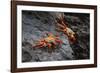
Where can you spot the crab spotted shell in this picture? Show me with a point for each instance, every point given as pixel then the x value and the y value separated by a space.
pixel 70 34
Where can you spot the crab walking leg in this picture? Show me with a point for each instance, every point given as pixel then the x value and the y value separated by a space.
pixel 49 45
pixel 63 23
pixel 61 26
pixel 39 45
pixel 59 41
pixel 59 29
pixel 54 44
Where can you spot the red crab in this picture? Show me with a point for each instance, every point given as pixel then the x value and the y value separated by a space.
pixel 51 41
pixel 62 27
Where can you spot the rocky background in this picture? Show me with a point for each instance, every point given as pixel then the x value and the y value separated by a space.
pixel 35 23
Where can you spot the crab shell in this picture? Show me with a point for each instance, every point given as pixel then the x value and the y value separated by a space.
pixel 70 34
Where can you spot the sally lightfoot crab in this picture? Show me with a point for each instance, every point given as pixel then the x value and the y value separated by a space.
pixel 62 27
pixel 50 41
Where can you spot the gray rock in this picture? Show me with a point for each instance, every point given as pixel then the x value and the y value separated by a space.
pixel 35 24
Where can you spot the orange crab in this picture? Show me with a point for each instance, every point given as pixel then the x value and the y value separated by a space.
pixel 62 27
pixel 51 41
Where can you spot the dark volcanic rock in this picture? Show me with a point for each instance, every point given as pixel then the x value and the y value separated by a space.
pixel 35 24
pixel 80 25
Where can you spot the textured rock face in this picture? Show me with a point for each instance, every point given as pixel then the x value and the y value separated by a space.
pixel 80 23
pixel 35 24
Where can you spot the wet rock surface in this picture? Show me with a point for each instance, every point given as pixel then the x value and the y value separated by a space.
pixel 35 23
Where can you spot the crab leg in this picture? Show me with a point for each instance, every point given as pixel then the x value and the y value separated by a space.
pixel 60 30
pixel 49 45
pixel 61 26
pixel 63 23
pixel 39 45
